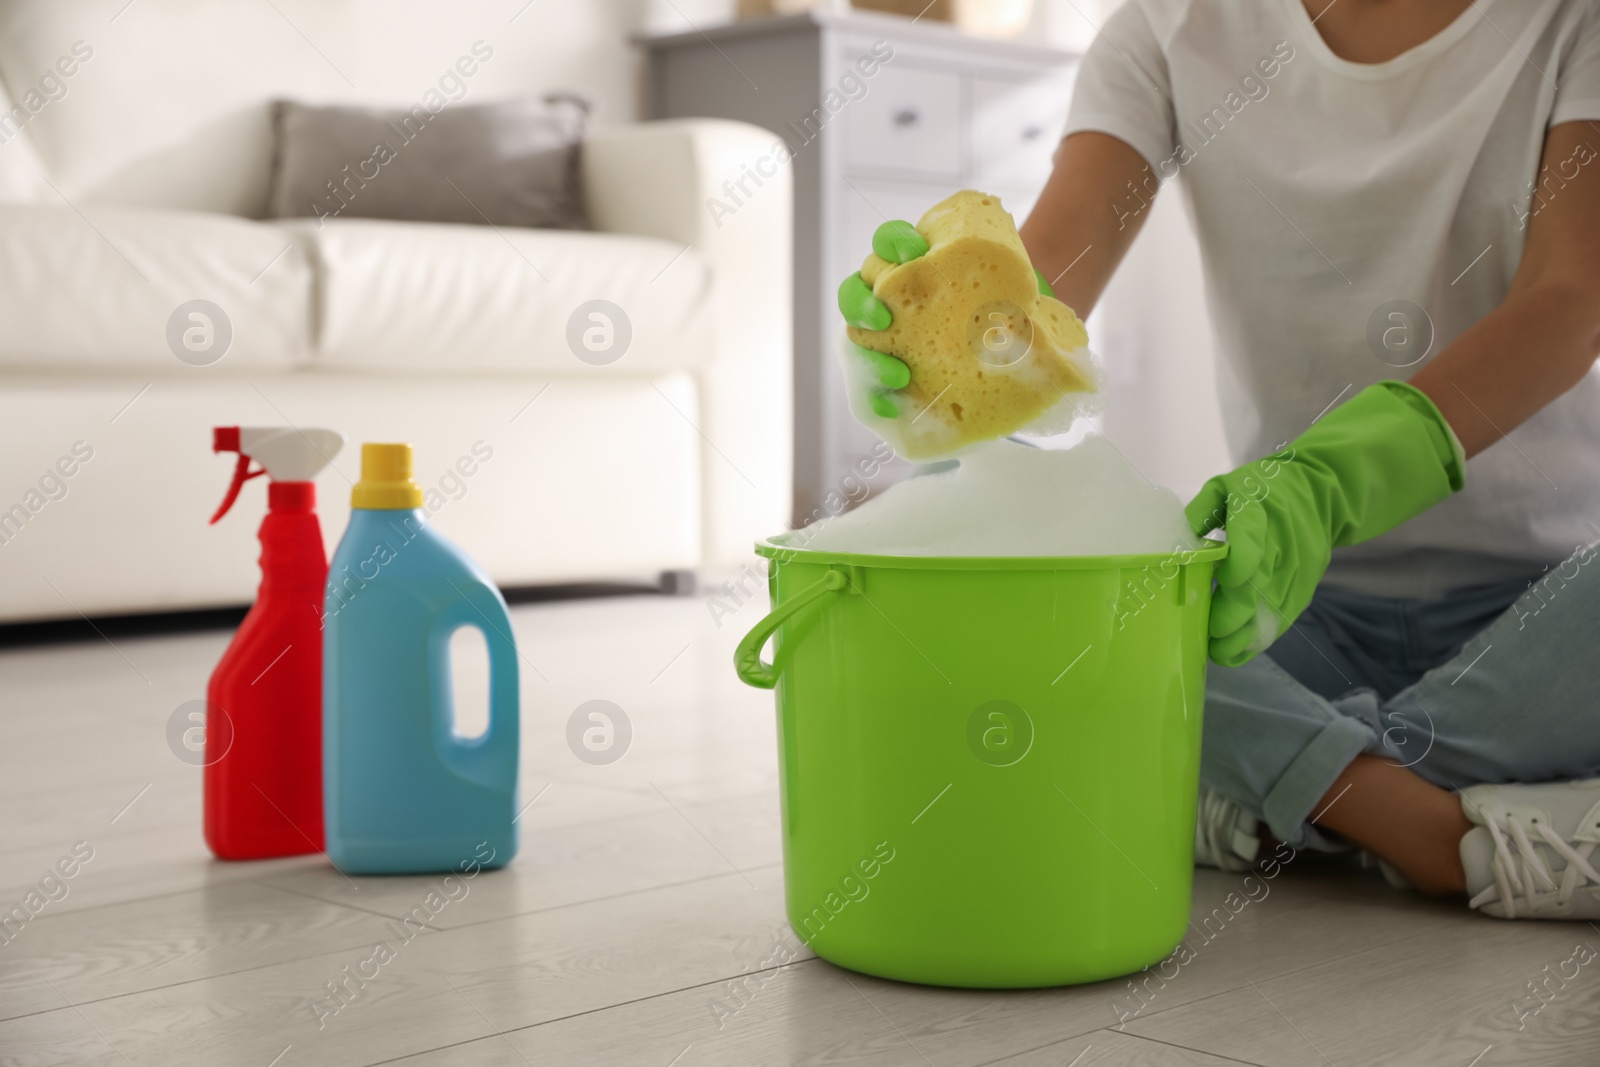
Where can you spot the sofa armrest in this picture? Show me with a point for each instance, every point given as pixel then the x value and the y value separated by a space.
pixel 667 180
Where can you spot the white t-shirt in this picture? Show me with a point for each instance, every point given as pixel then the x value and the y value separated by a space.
pixel 1325 193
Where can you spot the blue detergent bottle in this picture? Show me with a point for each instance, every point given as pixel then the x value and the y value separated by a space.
pixel 403 792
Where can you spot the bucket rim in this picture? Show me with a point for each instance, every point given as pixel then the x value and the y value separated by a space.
pixel 775 548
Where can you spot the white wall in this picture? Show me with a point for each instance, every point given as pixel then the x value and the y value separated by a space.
pixel 207 146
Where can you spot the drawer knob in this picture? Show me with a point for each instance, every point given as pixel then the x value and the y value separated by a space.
pixel 1032 133
pixel 906 116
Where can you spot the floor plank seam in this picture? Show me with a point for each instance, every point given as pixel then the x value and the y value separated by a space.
pixel 436 929
pixel 770 788
pixel 1093 1029
pixel 536 911
pixel 1036 1048
pixel 380 915
pixel 80 909
pixel 252 880
pixel 1274 976
pixel 1185 1048
pixel 809 959
pixel 623 790
pixel 618 896
pixel 301 894
pixel 591 1011
pixel 737 798
pixel 71 1004
pixel 1186 1004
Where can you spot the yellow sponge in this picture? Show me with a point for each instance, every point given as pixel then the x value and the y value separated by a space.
pixel 988 353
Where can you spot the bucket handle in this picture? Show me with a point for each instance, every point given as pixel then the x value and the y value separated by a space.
pixel 747 657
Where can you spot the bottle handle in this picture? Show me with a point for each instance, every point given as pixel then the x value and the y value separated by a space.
pixel 504 702
pixel 491 757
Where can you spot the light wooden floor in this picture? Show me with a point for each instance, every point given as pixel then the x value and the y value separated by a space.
pixel 643 889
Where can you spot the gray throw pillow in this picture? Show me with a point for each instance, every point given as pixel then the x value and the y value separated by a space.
pixel 513 163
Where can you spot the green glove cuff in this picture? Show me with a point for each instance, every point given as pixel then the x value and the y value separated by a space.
pixel 1445 442
pixel 1386 455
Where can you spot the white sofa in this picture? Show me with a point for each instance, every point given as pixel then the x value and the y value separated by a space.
pixel 136 183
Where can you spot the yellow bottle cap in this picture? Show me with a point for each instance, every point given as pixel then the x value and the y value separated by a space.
pixel 386 479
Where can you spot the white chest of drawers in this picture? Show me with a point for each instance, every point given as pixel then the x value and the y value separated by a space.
pixel 883 117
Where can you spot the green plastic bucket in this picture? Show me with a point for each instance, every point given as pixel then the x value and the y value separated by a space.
pixel 988 765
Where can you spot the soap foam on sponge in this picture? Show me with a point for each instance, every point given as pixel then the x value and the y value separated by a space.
pixel 989 354
pixel 1008 499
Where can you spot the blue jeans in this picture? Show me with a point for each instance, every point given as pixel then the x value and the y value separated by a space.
pixel 1495 683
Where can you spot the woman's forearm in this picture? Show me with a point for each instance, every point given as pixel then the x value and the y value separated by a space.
pixel 1087 216
pixel 1535 346
pixel 1545 335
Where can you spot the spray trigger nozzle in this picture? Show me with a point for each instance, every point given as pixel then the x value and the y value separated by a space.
pixel 285 454
pixel 241 474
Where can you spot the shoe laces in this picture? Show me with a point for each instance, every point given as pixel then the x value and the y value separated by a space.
pixel 1516 871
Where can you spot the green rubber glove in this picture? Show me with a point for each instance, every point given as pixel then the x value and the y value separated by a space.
pixel 898 242
pixel 1382 457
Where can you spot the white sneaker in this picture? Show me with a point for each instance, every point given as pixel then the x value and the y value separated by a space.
pixel 1528 856
pixel 1224 834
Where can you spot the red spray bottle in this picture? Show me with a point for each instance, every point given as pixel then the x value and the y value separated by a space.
pixel 263 770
